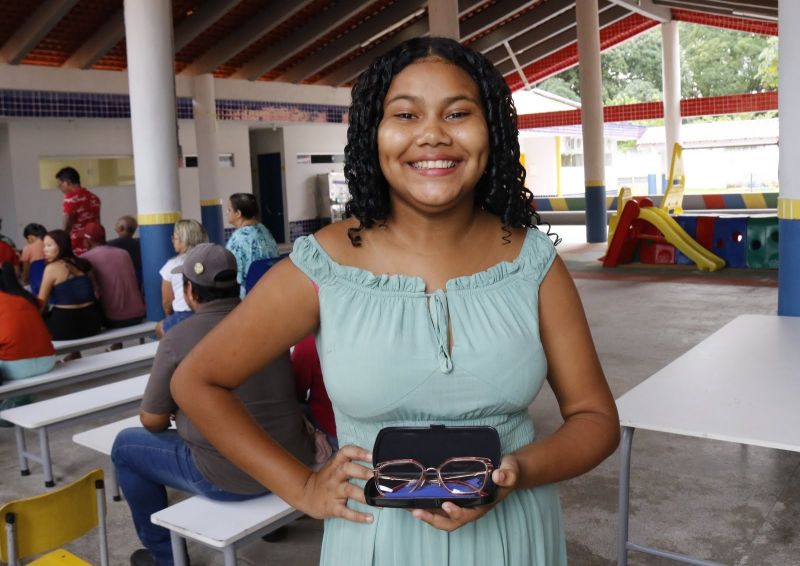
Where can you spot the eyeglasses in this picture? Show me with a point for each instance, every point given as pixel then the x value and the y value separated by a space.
pixel 455 476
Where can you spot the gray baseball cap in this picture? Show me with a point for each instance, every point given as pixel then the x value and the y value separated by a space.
pixel 209 265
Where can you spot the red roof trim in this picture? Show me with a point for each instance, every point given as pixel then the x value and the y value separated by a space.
pixel 712 105
pixel 727 22
pixel 567 57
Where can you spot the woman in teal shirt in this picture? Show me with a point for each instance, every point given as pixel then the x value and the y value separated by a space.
pixel 251 240
pixel 437 301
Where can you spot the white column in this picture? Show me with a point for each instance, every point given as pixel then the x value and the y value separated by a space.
pixel 205 132
pixel 588 27
pixel 443 18
pixel 151 79
pixel 151 83
pixel 671 74
pixel 789 165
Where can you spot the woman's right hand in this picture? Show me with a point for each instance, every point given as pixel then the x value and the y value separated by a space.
pixel 326 491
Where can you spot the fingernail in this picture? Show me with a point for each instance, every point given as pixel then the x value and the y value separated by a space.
pixel 369 456
pixel 417 514
pixel 370 518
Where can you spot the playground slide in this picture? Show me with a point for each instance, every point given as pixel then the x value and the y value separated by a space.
pixel 675 235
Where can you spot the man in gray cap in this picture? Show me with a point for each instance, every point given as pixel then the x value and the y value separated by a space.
pixel 150 458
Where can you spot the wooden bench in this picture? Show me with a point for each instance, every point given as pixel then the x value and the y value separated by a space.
pixel 60 411
pixel 139 331
pixel 84 369
pixel 225 526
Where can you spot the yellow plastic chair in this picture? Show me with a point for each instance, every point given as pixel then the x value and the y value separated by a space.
pixel 45 522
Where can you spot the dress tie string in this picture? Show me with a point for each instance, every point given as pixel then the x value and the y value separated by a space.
pixel 440 316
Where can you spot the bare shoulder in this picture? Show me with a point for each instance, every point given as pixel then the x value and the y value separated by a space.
pixel 505 242
pixel 335 240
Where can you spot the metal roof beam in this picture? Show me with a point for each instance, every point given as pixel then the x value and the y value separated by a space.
pixel 493 15
pixel 203 18
pixel 538 17
pixel 352 69
pixel 742 9
pixel 100 42
pixel 553 28
pixel 569 36
pixel 646 8
pixel 306 35
pixel 34 29
pixel 260 25
pixel 351 40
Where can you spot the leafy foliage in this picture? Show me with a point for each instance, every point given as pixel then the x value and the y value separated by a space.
pixel 714 62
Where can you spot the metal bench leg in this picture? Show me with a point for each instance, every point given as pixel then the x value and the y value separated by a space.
pixel 113 480
pixel 178 549
pixel 230 555
pixel 623 509
pixel 22 450
pixel 44 449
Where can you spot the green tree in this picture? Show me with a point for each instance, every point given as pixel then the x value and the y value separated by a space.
pixel 558 86
pixel 720 61
pixel 714 62
pixel 768 65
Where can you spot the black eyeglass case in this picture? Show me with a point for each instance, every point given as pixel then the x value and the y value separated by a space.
pixel 431 446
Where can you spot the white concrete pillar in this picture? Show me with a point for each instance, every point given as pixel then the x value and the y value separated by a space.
pixel 443 18
pixel 588 26
pixel 671 87
pixel 151 83
pixel 205 131
pixel 789 165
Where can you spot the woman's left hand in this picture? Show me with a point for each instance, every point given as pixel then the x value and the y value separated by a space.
pixel 451 517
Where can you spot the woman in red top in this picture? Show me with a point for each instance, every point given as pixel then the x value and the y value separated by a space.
pixel 25 346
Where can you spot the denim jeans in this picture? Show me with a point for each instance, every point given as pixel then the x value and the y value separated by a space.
pixel 146 462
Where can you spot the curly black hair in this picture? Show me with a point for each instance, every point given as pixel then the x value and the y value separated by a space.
pixel 500 191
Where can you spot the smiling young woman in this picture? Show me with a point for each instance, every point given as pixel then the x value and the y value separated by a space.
pixel 437 301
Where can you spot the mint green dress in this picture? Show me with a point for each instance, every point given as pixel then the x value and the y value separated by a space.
pixel 382 343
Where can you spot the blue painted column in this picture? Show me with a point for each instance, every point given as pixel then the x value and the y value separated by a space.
pixel 155 237
pixel 789 165
pixel 588 25
pixel 151 84
pixel 213 220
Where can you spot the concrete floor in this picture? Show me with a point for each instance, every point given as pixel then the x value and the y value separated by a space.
pixel 721 501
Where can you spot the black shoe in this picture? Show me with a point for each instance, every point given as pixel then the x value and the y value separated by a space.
pixel 142 557
pixel 277 535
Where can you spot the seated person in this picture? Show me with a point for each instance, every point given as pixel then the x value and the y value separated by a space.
pixel 9 255
pixel 125 228
pixel 187 234
pixel 25 346
pixel 34 249
pixel 311 388
pixel 148 459
pixel 115 277
pixel 68 290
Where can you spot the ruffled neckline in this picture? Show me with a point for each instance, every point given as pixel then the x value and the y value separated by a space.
pixel 415 284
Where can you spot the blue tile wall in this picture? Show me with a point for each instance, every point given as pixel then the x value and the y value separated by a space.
pixel 262 111
pixel 48 104
pixel 299 228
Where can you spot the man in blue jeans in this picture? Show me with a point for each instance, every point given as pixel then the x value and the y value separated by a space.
pixel 149 459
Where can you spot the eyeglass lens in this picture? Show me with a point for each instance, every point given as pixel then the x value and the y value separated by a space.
pixel 456 476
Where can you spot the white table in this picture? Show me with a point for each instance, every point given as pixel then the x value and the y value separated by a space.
pixel 750 367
